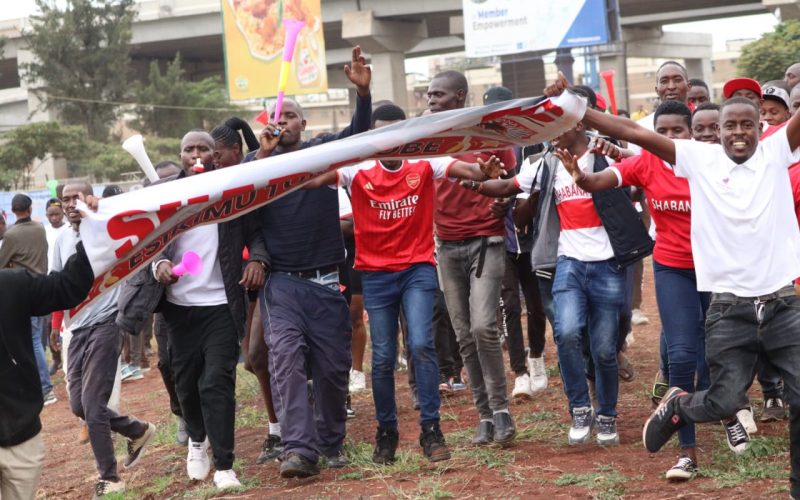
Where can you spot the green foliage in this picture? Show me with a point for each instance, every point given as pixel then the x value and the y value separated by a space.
pixel 82 50
pixel 24 148
pixel 108 161
pixel 768 57
pixel 170 88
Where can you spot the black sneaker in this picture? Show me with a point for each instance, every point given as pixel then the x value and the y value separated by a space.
pixel 351 413
pixel 137 446
pixel 504 429
pixel 774 410
pixel 336 461
pixel 296 465
pixel 664 422
pixel 432 441
pixel 270 450
pixel 386 441
pixel 737 436
pixel 103 488
pixel 684 470
pixel 485 434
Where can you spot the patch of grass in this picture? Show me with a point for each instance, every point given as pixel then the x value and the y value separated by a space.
pixel 251 417
pixel 604 483
pixel 360 456
pixel 426 489
pixel 247 388
pixel 766 458
pixel 446 416
pixel 542 426
pixel 553 371
pixel 159 484
pixel 485 456
pixel 165 432
pixel 459 438
pixel 350 475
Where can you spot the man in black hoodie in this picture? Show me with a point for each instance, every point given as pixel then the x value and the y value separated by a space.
pixel 24 294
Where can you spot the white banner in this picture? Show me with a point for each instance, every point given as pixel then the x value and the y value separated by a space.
pixel 131 229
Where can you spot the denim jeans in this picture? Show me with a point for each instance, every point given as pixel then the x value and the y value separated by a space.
pixel 37 325
pixel 385 292
pixel 737 332
pixel 588 294
pixel 472 303
pixel 683 311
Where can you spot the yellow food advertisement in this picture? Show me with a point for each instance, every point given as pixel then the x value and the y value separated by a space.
pixel 254 38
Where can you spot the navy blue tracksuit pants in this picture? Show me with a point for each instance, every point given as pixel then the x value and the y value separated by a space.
pixel 308 333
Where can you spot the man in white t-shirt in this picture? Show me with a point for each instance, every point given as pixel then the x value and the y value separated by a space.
pixel 746 247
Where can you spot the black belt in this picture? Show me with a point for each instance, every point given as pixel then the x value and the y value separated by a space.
pixel 787 291
pixel 313 273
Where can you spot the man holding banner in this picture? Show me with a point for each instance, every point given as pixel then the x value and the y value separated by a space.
pixel 305 243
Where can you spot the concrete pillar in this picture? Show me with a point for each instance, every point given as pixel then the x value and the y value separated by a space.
pixel 523 75
pixel 564 62
pixel 699 68
pixel 385 43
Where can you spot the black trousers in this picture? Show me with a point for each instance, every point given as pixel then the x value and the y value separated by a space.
pixel 450 362
pixel 519 274
pixel 160 328
pixel 203 351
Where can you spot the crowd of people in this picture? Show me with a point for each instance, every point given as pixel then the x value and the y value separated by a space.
pixel 441 254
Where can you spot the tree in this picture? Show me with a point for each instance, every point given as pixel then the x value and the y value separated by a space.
pixel 82 59
pixel 186 104
pixel 27 146
pixel 108 161
pixel 768 57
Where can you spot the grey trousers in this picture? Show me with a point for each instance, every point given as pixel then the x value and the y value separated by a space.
pixel 472 303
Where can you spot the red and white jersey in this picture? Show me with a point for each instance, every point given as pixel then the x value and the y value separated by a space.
pixel 670 206
pixel 583 236
pixel 393 212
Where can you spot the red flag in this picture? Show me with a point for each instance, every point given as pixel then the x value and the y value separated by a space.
pixel 263 117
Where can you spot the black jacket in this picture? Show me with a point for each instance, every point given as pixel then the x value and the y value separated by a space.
pixel 24 294
pixel 142 294
pixel 623 224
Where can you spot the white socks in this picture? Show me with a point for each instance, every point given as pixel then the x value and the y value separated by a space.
pixel 275 429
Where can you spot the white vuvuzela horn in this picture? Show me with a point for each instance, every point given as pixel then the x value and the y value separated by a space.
pixel 135 146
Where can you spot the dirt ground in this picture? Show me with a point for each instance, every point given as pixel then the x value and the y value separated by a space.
pixel 540 465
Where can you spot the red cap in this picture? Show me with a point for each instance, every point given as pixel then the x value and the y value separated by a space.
pixel 732 86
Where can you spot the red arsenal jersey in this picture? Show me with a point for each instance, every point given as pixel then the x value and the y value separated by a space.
pixel 393 212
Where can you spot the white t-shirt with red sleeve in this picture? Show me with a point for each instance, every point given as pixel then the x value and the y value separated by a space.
pixel 670 206
pixel 393 212
pixel 583 236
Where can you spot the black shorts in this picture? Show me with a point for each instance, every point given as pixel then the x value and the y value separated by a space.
pixel 355 274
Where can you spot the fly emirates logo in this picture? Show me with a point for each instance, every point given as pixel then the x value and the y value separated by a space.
pixel 395 209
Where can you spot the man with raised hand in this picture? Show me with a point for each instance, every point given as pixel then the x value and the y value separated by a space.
pixel 746 247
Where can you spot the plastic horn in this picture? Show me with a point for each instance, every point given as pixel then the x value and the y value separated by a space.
pixel 135 146
pixel 608 76
pixel 292 28
pixel 190 263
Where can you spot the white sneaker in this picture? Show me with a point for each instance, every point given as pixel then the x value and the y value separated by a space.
pixel 226 480
pixel 197 463
pixel 103 488
pixel 522 387
pixel 358 381
pixel 629 339
pixel 582 422
pixel 538 374
pixel 745 416
pixel 639 318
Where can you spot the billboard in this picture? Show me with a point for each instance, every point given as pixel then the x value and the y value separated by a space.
pixel 499 27
pixel 254 36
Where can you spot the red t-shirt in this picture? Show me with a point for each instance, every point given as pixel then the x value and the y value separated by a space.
pixel 461 213
pixel 670 206
pixel 393 212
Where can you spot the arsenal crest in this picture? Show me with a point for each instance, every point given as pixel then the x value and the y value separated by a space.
pixel 412 180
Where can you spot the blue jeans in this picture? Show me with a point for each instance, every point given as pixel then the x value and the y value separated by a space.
pixel 588 294
pixel 683 314
pixel 37 325
pixel 384 293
